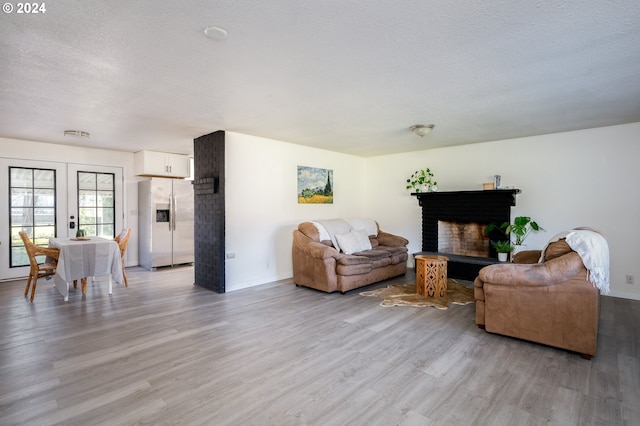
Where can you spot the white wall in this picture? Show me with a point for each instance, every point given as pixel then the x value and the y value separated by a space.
pixel 568 179
pixel 30 150
pixel 589 177
pixel 262 207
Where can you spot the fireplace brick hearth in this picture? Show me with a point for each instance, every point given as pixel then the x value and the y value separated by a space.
pixel 477 208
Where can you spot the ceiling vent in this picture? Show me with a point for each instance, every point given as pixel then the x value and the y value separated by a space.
pixel 77 133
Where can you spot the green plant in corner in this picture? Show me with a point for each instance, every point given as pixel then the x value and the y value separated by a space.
pixel 421 179
pixel 502 246
pixel 521 227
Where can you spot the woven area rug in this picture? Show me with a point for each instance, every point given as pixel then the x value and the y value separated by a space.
pixel 405 295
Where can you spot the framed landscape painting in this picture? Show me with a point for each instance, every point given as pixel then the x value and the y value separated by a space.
pixel 315 185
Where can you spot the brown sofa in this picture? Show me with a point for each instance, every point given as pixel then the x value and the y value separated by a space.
pixel 318 264
pixel 551 302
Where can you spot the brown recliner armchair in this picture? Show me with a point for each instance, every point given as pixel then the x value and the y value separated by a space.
pixel 551 302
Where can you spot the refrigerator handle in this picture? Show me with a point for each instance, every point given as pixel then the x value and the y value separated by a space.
pixel 170 221
pixel 175 209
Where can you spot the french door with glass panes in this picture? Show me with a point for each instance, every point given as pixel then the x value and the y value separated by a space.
pixel 95 200
pixel 48 199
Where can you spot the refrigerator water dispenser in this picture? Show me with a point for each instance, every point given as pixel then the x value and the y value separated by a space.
pixel 163 213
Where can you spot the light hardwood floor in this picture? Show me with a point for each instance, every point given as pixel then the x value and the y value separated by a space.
pixel 166 352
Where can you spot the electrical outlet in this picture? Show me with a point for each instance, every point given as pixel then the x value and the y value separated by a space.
pixel 629 279
pixel 231 256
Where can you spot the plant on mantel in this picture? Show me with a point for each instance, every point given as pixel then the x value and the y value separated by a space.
pixel 521 227
pixel 422 181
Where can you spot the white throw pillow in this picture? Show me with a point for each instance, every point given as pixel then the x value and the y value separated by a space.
pixel 354 241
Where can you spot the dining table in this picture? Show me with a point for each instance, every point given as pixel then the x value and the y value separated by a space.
pixel 81 258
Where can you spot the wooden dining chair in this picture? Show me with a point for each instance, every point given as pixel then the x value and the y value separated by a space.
pixel 83 283
pixel 123 239
pixel 38 270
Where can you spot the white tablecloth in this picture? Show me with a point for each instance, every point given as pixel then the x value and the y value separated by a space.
pixel 91 258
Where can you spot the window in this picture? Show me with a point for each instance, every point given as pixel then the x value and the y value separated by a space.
pixel 96 207
pixel 32 205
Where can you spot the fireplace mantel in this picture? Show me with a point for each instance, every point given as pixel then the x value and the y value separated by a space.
pixel 494 194
pixel 483 206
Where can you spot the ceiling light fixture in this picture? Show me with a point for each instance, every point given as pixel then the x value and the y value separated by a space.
pixel 216 33
pixel 78 133
pixel 421 129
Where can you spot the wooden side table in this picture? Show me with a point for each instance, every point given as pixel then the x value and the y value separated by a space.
pixel 431 275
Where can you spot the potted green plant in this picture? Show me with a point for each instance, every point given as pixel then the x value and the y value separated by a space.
pixel 503 248
pixel 521 227
pixel 422 181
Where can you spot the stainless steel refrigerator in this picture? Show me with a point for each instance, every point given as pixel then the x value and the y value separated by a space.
pixel 165 222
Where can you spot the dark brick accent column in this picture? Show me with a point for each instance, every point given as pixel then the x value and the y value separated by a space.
pixel 208 153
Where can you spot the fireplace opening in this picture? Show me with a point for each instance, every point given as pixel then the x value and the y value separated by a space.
pixel 464 239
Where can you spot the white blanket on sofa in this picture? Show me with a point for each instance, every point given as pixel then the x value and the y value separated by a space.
pixel 594 252
pixel 331 228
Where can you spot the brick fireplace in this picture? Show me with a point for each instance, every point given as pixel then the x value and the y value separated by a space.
pixel 453 225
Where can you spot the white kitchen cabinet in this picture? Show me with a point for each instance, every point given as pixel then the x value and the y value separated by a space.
pixel 153 163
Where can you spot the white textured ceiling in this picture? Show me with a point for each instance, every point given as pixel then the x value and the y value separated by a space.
pixel 348 76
